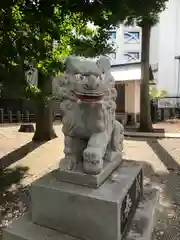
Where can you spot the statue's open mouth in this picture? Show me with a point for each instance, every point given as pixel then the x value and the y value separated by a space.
pixel 89 96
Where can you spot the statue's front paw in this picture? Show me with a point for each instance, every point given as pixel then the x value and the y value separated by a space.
pixel 67 164
pixel 92 161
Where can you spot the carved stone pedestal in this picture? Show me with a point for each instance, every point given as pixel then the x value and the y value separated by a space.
pixel 118 209
pixel 77 176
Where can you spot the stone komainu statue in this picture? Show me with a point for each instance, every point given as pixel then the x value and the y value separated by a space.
pixel 89 125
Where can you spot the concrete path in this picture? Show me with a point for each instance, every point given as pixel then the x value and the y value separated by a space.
pixel 18 149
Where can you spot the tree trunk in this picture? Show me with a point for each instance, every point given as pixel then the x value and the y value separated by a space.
pixel 44 111
pixel 145 114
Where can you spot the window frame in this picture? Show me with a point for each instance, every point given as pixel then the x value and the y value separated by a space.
pixel 130 53
pixel 110 35
pixel 132 39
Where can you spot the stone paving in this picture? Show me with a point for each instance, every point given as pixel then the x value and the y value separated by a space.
pixel 161 160
pixel 18 150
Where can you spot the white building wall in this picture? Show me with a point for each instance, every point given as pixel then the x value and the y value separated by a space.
pixel 154 45
pixel 165 45
pixel 123 46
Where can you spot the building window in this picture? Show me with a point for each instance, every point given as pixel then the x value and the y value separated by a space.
pixel 112 35
pixel 132 57
pixel 132 37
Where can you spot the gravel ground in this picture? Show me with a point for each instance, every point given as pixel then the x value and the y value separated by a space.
pixel 161 160
pixel 13 204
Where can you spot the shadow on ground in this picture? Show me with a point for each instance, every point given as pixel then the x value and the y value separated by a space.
pixel 18 154
pixel 163 155
pixel 170 163
pixel 11 176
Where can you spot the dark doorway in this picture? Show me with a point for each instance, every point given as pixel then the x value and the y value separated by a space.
pixel 120 101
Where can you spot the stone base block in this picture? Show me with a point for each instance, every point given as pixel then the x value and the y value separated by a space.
pixel 77 176
pixel 103 213
pixel 141 228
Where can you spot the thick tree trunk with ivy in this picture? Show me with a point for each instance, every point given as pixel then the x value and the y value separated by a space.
pixel 145 114
pixel 44 111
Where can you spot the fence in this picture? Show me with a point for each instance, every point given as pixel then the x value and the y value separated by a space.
pixel 22 110
pixel 15 105
pixel 16 117
pixel 16 110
